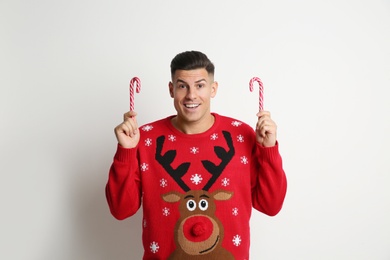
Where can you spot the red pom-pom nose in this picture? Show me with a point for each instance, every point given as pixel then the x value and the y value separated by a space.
pixel 198 228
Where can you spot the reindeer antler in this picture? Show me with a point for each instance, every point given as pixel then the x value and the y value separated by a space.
pixel 225 156
pixel 166 160
pixel 215 170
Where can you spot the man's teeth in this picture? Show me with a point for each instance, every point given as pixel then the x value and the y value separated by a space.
pixel 191 105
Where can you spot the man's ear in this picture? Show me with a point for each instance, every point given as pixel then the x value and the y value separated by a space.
pixel 214 88
pixel 170 89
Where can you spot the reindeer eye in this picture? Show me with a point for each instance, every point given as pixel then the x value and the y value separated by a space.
pixel 203 204
pixel 191 205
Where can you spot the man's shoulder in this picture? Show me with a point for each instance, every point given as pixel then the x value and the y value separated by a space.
pixel 233 122
pixel 153 125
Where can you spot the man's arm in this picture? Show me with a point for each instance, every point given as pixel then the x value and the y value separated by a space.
pixel 123 189
pixel 269 181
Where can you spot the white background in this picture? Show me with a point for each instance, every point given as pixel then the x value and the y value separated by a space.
pixel 64 73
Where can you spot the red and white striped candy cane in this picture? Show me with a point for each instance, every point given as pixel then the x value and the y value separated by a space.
pixel 261 91
pixel 138 89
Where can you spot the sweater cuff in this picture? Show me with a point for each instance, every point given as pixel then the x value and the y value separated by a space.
pixel 268 153
pixel 125 154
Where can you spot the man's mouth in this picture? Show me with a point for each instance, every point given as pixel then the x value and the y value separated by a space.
pixel 191 105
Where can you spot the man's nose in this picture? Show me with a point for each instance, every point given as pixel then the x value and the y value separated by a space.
pixel 191 92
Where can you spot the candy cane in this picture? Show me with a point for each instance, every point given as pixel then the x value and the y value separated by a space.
pixel 138 89
pixel 261 90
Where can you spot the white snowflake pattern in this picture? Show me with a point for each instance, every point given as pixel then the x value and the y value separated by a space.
pixel 236 240
pixel 154 247
pixel 163 183
pixel 236 123
pixel 214 136
pixel 148 142
pixel 244 160
pixel 165 211
pixel 147 128
pixel 171 138
pixel 144 167
pixel 225 182
pixel 145 223
pixel 194 150
pixel 240 138
pixel 235 211
pixel 196 178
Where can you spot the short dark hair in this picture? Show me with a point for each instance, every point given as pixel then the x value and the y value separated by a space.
pixel 190 60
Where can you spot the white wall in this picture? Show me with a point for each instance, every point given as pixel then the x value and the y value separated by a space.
pixel 65 68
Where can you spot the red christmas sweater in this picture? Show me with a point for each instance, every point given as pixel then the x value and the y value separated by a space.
pixel 196 191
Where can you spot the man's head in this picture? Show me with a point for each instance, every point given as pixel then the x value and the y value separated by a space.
pixel 191 60
pixel 191 88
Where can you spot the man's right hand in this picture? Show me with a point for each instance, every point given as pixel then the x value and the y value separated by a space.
pixel 127 133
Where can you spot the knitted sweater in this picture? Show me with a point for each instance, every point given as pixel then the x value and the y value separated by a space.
pixel 197 191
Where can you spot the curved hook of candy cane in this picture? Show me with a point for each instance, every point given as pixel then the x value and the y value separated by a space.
pixel 261 90
pixel 138 89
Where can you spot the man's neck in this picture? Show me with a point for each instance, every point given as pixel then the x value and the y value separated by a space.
pixel 193 127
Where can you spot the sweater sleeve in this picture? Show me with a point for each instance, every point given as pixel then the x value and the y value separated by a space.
pixel 123 188
pixel 269 182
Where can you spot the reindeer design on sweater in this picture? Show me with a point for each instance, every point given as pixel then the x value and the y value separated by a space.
pixel 198 232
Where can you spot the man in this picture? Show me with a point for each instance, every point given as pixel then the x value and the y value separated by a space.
pixel 197 174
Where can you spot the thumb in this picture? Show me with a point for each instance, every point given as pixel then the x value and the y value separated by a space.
pixel 129 114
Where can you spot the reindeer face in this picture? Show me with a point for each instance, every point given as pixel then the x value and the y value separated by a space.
pixel 198 230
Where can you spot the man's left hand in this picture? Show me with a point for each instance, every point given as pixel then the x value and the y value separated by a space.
pixel 265 129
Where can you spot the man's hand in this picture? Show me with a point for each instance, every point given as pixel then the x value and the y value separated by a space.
pixel 127 133
pixel 265 129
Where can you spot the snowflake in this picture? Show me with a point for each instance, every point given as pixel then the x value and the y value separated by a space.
pixel 194 150
pixel 235 211
pixel 196 179
pixel 171 138
pixel 236 123
pixel 225 182
pixel 154 247
pixel 165 211
pixel 236 240
pixel 148 142
pixel 240 138
pixel 144 167
pixel 163 183
pixel 147 128
pixel 145 223
pixel 214 136
pixel 244 160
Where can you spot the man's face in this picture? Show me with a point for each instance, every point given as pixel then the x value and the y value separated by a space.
pixel 191 91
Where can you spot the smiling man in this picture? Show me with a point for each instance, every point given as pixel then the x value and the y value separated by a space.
pixel 197 174
pixel 191 91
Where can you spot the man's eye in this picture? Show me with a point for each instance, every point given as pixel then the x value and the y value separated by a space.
pixel 200 86
pixel 182 86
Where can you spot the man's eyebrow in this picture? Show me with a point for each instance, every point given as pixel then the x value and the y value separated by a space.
pixel 198 81
pixel 182 81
